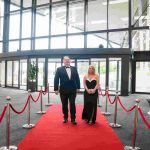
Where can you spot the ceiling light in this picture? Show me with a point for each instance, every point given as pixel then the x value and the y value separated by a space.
pixel 115 2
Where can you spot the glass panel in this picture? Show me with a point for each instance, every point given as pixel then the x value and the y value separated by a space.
pixel 1 28
pixel 41 43
pixel 14 27
pixel 82 66
pixel 53 64
pixel 58 25
pixel 1 47
pixel 40 2
pixel 142 77
pixel 26 23
pixel 141 40
pixel 41 73
pixel 118 14
pixel 96 19
pixel 115 74
pixel 42 21
pixel 13 46
pixel 1 8
pixel 76 41
pixel 25 45
pixel 15 73
pixel 58 42
pixel 23 74
pixel 76 17
pixel 27 3
pixel 3 73
pixel 15 5
pixel 97 40
pixel 0 73
pixel 9 73
pixel 100 68
pixel 118 39
pixel 56 0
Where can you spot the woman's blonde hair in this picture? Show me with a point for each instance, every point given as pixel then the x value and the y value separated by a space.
pixel 93 68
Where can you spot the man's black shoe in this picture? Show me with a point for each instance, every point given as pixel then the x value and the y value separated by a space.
pixel 73 122
pixel 65 120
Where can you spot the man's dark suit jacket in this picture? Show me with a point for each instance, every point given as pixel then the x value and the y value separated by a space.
pixel 66 84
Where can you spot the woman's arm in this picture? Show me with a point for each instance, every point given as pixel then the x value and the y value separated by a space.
pixel 84 84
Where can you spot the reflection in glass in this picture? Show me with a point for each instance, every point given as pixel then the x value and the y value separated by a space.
pixel 58 42
pixel 142 77
pixel 118 39
pixel 14 25
pixel 40 2
pixel 82 66
pixel 3 74
pixel 27 3
pixel 15 74
pixel 25 45
pixel 97 15
pixel 23 74
pixel 9 73
pixel 42 21
pixel 15 5
pixel 76 41
pixel 97 39
pixel 26 23
pixel 58 24
pixel 13 46
pixel 76 17
pixel 1 8
pixel 41 43
pixel 1 28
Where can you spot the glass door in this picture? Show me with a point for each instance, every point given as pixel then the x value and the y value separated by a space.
pixel 3 74
pixel 9 74
pixel 16 74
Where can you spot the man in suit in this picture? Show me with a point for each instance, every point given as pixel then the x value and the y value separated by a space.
pixel 67 83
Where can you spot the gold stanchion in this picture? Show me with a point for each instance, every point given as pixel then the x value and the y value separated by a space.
pixel 8 146
pixel 28 125
pixel 106 113
pixel 48 103
pixel 115 124
pixel 41 111
pixel 133 147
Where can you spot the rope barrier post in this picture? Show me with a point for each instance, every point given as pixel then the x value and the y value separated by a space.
pixel 98 104
pixel 106 113
pixel 134 130
pixel 28 125
pixel 41 111
pixel 8 146
pixel 115 124
pixel 48 103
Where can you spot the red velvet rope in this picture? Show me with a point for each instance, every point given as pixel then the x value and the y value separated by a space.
pixel 111 102
pixel 46 91
pixel 100 92
pixel 124 107
pixel 3 113
pixel 19 112
pixel 143 118
pixel 35 100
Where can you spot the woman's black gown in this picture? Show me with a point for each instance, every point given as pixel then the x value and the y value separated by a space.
pixel 90 102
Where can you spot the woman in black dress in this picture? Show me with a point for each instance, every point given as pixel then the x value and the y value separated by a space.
pixel 91 84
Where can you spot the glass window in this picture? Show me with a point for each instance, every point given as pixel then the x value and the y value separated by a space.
pixel 41 43
pixel 97 15
pixel 1 8
pixel 15 5
pixel 3 73
pixel 13 46
pixel 14 28
pixel 58 24
pixel 42 21
pixel 58 42
pixel 1 28
pixel 27 3
pixel 141 40
pixel 1 47
pixel 40 2
pixel 76 41
pixel 118 39
pixel 97 40
pixel 9 73
pixel 15 74
pixel 118 14
pixel 142 77
pixel 76 17
pixel 25 45
pixel 26 24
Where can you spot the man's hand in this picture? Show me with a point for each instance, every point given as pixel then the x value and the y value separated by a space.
pixel 56 92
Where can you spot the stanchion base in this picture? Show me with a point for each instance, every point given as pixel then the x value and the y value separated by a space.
pixel 41 112
pixel 113 125
pixel 48 104
pixel 10 148
pixel 28 126
pixel 106 113
pixel 148 113
pixel 131 148
pixel 99 105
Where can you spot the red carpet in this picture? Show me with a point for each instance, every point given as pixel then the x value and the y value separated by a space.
pixel 51 134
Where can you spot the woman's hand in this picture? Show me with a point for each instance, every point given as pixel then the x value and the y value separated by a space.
pixel 88 91
pixel 92 91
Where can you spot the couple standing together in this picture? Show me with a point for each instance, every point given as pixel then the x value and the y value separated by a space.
pixel 67 83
